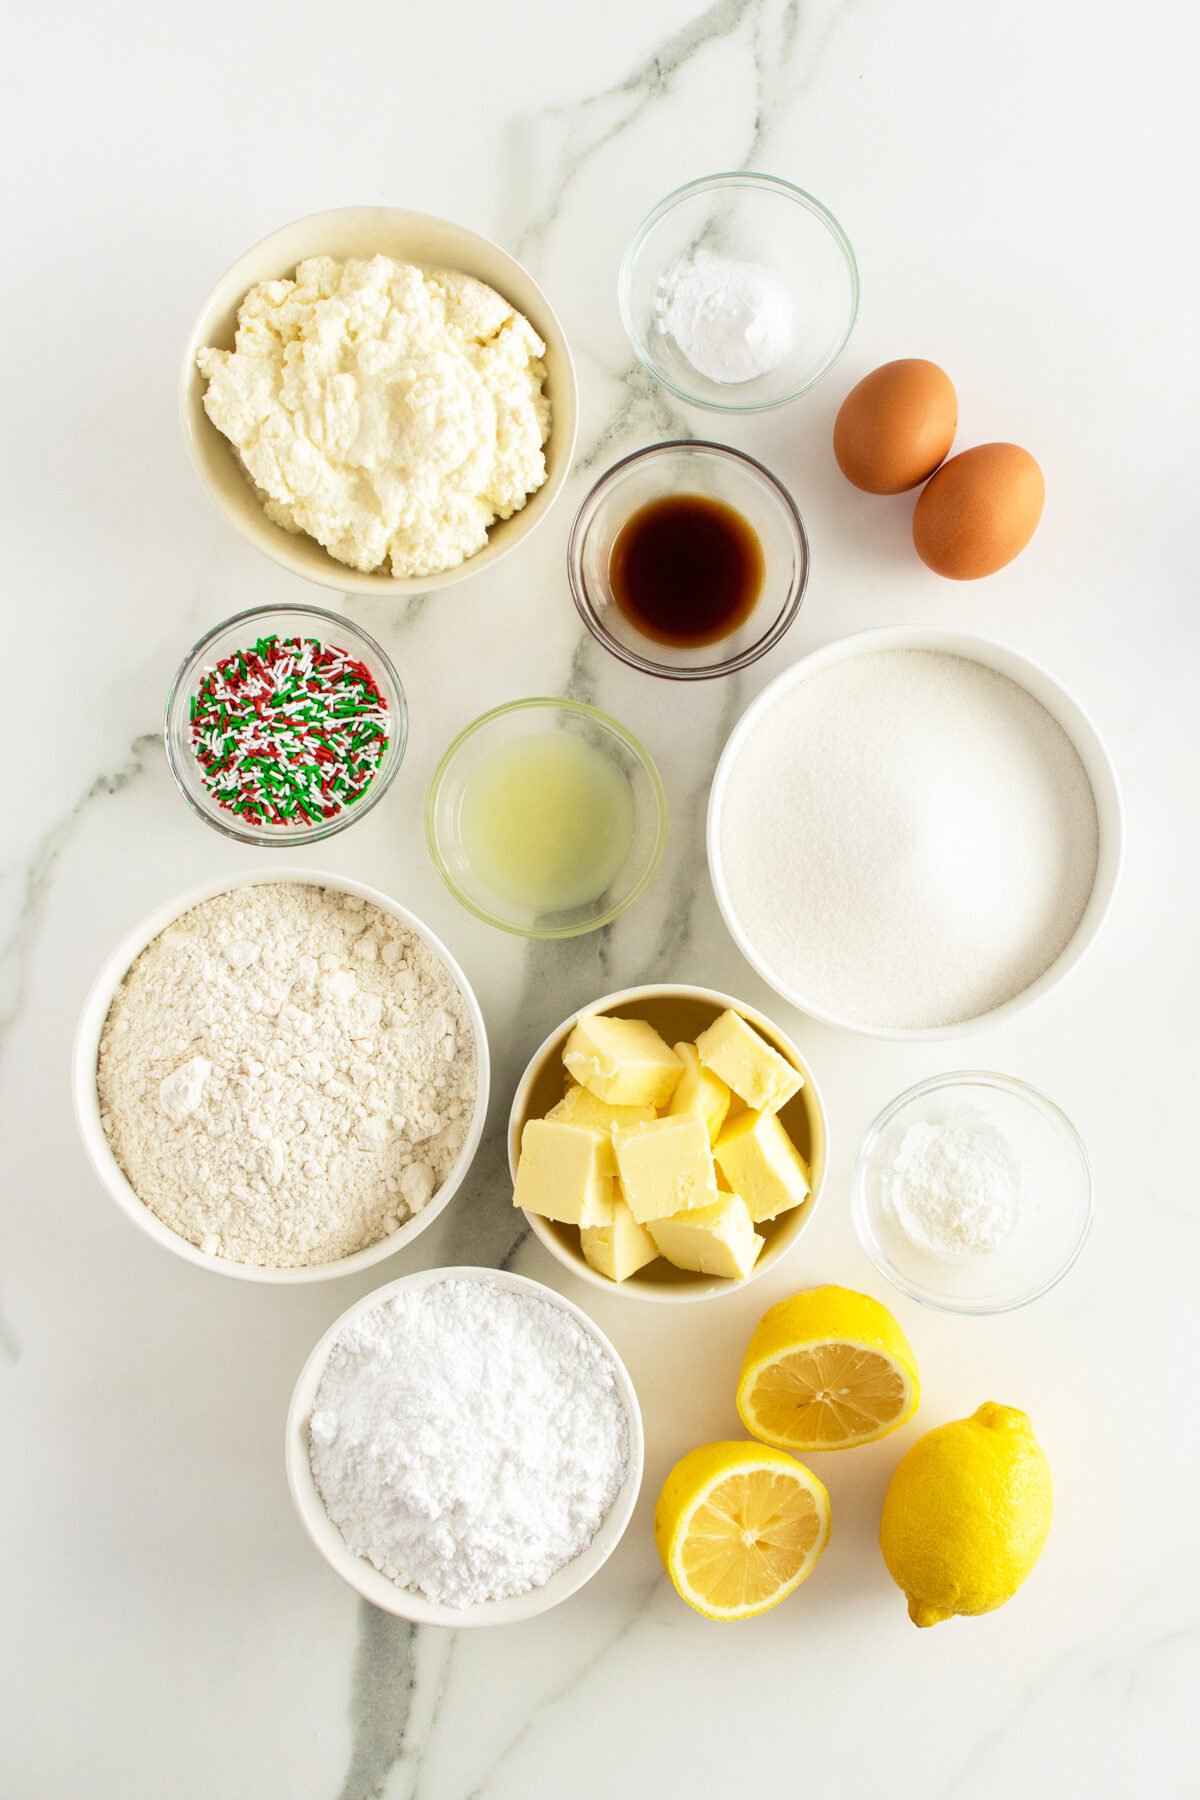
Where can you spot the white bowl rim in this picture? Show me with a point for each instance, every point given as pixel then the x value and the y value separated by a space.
pixel 1085 738
pixel 703 1287
pixel 932 1084
pixel 86 1100
pixel 341 578
pixel 369 1581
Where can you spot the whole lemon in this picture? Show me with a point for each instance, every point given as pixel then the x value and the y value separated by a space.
pixel 966 1514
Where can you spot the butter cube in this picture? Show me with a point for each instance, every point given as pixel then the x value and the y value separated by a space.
pixel 560 1174
pixel 665 1167
pixel 711 1240
pixel 760 1162
pixel 700 1092
pixel 622 1060
pixel 749 1065
pixel 579 1107
pixel 618 1250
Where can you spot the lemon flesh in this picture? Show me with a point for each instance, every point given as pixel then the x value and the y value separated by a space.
pixel 827 1370
pixel 967 1514
pixel 738 1527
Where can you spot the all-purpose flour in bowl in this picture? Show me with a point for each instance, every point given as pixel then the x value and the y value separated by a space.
pixel 287 1074
pixel 468 1439
pixel 907 839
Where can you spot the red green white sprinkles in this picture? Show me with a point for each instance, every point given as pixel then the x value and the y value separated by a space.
pixel 289 732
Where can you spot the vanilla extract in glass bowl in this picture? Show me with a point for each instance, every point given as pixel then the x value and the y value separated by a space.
pixel 687 570
pixel 688 560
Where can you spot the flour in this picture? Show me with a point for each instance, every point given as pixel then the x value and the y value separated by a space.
pixel 468 1440
pixel 732 320
pixel 907 838
pixel 286 1074
pixel 954 1187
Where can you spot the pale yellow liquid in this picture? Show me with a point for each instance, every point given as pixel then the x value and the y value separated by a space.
pixel 547 822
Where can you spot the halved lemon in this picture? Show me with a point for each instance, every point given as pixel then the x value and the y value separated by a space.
pixel 738 1527
pixel 826 1370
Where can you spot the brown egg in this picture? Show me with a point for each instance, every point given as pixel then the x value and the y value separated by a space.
pixel 979 511
pixel 895 427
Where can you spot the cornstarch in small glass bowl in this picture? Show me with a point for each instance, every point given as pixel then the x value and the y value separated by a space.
pixel 954 1188
pixel 468 1440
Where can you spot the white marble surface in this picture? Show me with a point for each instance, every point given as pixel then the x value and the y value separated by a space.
pixel 1010 177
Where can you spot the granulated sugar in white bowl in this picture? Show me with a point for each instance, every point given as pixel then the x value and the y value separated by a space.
pixel 902 837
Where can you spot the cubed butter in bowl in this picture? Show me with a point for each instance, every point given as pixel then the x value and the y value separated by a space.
pixel 668 1142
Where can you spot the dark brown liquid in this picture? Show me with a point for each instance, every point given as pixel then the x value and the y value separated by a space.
pixel 686 570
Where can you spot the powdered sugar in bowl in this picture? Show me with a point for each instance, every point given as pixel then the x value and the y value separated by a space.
pixel 459 1377
pixel 295 1076
pixel 972 1193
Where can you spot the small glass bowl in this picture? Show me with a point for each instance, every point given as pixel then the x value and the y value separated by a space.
pixel 747 218
pixel 1054 1209
pixel 238 633
pixel 689 467
pixel 506 725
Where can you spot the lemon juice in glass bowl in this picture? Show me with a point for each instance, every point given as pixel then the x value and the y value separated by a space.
pixel 546 818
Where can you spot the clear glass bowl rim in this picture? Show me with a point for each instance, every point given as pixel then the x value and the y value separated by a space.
pixel 1022 1090
pixel 670 671
pixel 311 834
pixel 636 749
pixel 737 178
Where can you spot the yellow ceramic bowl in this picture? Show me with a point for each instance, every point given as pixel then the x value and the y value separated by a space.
pixel 360 231
pixel 678 1013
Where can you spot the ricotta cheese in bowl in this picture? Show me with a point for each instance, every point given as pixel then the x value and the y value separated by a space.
pixel 390 412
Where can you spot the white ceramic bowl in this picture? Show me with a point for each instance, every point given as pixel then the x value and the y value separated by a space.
pixel 363 1576
pixel 679 1011
pixel 1061 706
pixel 87 1104
pixel 363 231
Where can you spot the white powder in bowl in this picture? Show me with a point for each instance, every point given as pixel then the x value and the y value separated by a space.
pixel 954 1188
pixel 286 1074
pixel 468 1440
pixel 732 320
pixel 907 839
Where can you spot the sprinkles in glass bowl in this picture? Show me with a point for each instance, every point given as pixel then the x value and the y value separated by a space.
pixel 283 725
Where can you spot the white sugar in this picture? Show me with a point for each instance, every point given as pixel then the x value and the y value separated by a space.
pixel 908 839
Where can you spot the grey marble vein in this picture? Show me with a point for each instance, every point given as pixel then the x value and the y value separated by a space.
pixel 14 952
pixel 689 882
pixel 646 411
pixel 483 1226
pixel 380 1701
pixel 17 948
pixel 417 1752
pixel 1091 1655
pixel 600 119
pixel 568 1687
